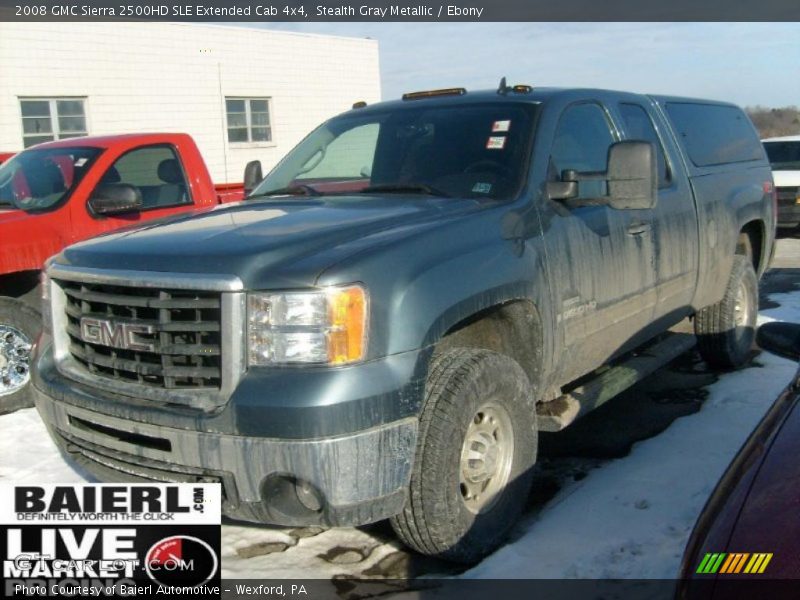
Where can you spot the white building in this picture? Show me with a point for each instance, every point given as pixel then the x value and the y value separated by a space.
pixel 243 93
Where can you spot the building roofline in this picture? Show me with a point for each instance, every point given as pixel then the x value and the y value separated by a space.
pixel 250 27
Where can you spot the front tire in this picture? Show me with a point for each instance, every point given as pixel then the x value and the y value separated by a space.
pixel 475 455
pixel 726 330
pixel 19 326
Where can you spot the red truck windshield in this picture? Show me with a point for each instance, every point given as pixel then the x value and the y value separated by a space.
pixel 469 151
pixel 37 180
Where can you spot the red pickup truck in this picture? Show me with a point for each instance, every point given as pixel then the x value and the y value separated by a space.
pixel 58 193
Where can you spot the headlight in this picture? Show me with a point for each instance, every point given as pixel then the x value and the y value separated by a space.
pixel 47 311
pixel 326 326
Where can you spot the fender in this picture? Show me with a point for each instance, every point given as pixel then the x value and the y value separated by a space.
pixel 426 294
pixel 23 251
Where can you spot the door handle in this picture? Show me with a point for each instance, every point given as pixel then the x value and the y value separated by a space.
pixel 639 228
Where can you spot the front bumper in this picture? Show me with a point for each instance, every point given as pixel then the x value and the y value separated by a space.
pixel 354 477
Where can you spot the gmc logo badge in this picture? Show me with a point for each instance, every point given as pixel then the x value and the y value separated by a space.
pixel 117 334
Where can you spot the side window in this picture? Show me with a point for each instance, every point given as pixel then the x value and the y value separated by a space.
pixel 639 126
pixel 714 134
pixel 581 142
pixel 156 171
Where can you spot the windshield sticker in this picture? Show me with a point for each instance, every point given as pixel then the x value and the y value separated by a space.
pixel 482 188
pixel 496 142
pixel 501 126
pixel 81 161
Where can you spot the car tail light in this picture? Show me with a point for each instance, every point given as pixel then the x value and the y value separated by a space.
pixel 769 188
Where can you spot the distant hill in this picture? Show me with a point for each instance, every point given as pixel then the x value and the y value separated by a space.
pixel 772 122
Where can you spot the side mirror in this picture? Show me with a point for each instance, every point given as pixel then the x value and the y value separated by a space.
pixel 780 338
pixel 632 179
pixel 561 190
pixel 252 176
pixel 115 198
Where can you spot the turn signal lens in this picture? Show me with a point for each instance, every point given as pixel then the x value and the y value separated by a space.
pixel 348 317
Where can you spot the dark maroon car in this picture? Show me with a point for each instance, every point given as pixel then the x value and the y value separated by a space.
pixel 746 542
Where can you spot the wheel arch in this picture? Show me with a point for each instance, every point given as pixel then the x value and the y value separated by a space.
pixel 22 285
pixel 513 328
pixel 756 232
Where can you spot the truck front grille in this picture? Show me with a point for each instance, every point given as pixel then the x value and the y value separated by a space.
pixel 787 195
pixel 163 338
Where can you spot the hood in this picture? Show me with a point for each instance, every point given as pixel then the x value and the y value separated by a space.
pixel 276 237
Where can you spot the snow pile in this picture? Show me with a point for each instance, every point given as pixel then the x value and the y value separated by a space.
pixel 632 517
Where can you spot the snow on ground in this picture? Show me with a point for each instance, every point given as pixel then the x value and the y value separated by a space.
pixel 632 517
pixel 629 518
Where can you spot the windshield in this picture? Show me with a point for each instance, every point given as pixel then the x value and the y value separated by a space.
pixel 472 151
pixel 783 156
pixel 37 180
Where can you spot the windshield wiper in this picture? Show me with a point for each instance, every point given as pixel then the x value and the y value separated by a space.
pixel 403 188
pixel 292 190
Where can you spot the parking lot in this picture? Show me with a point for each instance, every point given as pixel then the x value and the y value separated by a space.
pixel 616 494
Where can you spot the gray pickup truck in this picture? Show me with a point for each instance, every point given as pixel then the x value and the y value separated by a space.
pixel 415 291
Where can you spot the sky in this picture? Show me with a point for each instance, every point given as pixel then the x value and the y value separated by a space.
pixel 747 63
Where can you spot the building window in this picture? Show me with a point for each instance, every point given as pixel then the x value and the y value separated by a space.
pixel 248 120
pixel 47 119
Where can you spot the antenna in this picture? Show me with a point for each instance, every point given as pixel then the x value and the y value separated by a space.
pixel 502 88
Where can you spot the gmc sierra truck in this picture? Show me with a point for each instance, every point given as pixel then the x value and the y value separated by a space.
pixel 405 300
pixel 58 193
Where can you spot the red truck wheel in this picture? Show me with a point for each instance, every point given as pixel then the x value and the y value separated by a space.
pixel 19 326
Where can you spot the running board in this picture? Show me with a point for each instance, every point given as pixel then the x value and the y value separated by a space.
pixel 557 414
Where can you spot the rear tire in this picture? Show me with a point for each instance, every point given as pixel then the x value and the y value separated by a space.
pixel 475 456
pixel 726 330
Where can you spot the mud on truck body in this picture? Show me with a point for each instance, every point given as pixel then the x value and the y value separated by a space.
pixel 58 193
pixel 414 292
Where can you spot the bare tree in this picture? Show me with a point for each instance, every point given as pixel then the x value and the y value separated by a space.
pixel 772 122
